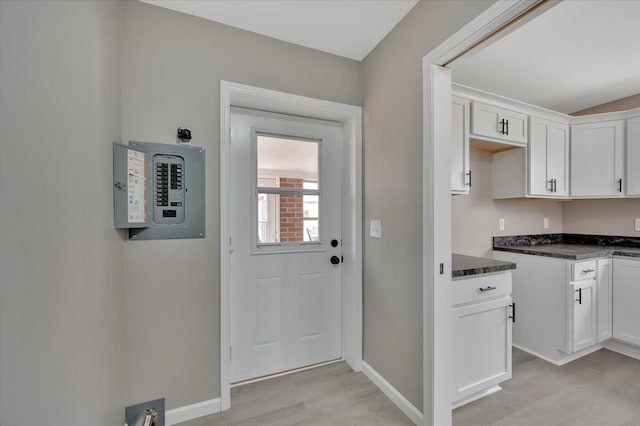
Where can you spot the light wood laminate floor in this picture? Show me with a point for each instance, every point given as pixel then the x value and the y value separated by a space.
pixel 327 395
pixel 600 389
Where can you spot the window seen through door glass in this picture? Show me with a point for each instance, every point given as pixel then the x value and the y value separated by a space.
pixel 287 190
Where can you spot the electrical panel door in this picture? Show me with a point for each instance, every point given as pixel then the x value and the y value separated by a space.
pixel 159 190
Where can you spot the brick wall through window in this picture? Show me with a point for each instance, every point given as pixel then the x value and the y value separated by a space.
pixel 291 213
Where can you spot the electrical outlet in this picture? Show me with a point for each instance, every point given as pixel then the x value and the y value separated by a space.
pixel 638 224
pixel 546 223
pixel 501 223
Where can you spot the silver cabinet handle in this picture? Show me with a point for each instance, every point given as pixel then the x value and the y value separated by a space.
pixel 586 271
pixel 488 288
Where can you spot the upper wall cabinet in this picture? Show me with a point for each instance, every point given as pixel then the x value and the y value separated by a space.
pixel 460 173
pixel 597 159
pixel 488 121
pixel 633 155
pixel 548 158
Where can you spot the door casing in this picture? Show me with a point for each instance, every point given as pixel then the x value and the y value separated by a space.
pixel 241 95
pixel 495 22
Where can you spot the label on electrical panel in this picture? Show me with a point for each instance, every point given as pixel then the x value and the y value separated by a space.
pixel 136 187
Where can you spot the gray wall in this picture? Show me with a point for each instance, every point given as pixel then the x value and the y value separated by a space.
pixel 601 217
pixel 61 263
pixel 629 102
pixel 392 101
pixel 173 64
pixel 474 217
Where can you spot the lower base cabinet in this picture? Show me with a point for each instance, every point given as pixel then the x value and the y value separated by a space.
pixel 482 317
pixel 626 300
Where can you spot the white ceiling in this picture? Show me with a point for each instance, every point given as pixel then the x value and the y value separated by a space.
pixel 349 28
pixel 574 56
pixel 292 158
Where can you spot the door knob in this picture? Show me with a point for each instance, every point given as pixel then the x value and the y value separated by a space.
pixel 334 243
pixel 335 260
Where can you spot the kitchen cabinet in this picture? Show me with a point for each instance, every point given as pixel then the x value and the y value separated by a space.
pixel 460 119
pixel 604 292
pixel 496 123
pixel 482 317
pixel 633 155
pixel 548 158
pixel 597 159
pixel 626 300
pixel 582 314
pixel 559 310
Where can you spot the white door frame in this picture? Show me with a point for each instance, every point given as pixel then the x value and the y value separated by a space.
pixel 436 221
pixel 241 95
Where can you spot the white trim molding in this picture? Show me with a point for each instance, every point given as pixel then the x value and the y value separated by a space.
pixel 192 411
pixel 392 393
pixel 244 96
pixel 436 200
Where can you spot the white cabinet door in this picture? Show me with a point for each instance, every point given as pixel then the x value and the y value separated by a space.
pixel 481 346
pixel 597 159
pixel 582 312
pixel 626 300
pixel 604 292
pixel 460 173
pixel 498 123
pixel 548 158
pixel 633 156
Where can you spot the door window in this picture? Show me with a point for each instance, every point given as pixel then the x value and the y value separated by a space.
pixel 287 191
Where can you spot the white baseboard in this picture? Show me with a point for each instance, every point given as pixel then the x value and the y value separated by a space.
pixel 396 397
pixel 565 360
pixel 476 396
pixel 193 411
pixel 622 348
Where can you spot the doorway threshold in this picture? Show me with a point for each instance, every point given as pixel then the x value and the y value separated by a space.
pixel 286 372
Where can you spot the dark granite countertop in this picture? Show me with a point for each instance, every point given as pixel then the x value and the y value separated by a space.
pixel 463 266
pixel 572 251
pixel 569 246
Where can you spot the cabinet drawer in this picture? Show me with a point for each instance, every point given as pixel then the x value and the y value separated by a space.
pixel 483 287
pixel 583 270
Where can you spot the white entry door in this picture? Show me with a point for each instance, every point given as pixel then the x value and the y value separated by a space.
pixel 286 177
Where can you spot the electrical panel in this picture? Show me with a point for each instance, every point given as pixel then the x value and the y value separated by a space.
pixel 159 190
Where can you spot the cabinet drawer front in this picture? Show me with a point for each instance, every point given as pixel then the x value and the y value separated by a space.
pixel 483 287
pixel 583 270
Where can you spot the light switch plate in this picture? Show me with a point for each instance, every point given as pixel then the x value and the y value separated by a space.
pixel 638 224
pixel 501 223
pixel 375 229
pixel 546 223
